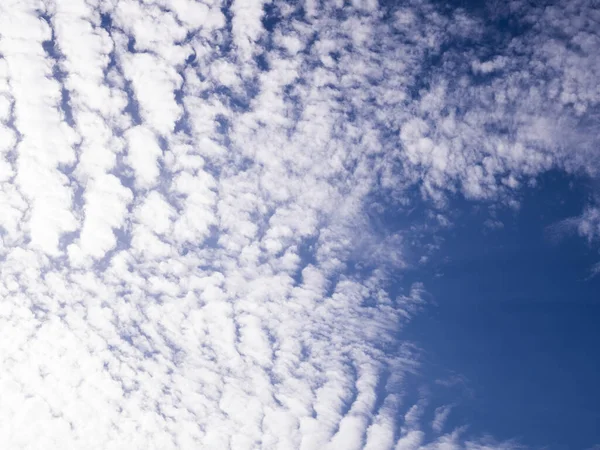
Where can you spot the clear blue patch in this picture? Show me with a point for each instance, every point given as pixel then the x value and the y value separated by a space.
pixel 516 319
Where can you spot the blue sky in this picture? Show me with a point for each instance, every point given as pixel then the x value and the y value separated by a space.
pixel 515 317
pixel 345 224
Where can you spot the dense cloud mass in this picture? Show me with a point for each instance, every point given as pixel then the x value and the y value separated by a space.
pixel 188 196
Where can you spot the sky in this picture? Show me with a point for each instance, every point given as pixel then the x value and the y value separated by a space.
pixel 252 224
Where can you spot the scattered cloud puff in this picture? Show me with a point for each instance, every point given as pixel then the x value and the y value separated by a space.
pixel 588 223
pixel 186 258
pixel 585 225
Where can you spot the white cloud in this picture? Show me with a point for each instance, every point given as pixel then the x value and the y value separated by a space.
pixel 105 209
pixel 143 155
pixel 487 67
pixel 246 26
pixel 46 141
pixel 588 224
pixel 441 415
pixel 154 82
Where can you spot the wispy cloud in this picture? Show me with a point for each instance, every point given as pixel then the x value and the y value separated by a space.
pixel 441 415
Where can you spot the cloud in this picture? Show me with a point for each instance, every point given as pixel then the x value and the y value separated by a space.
pixel 586 225
pixel 189 253
pixel 595 270
pixel 441 415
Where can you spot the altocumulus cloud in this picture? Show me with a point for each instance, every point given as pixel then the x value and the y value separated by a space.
pixel 185 185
